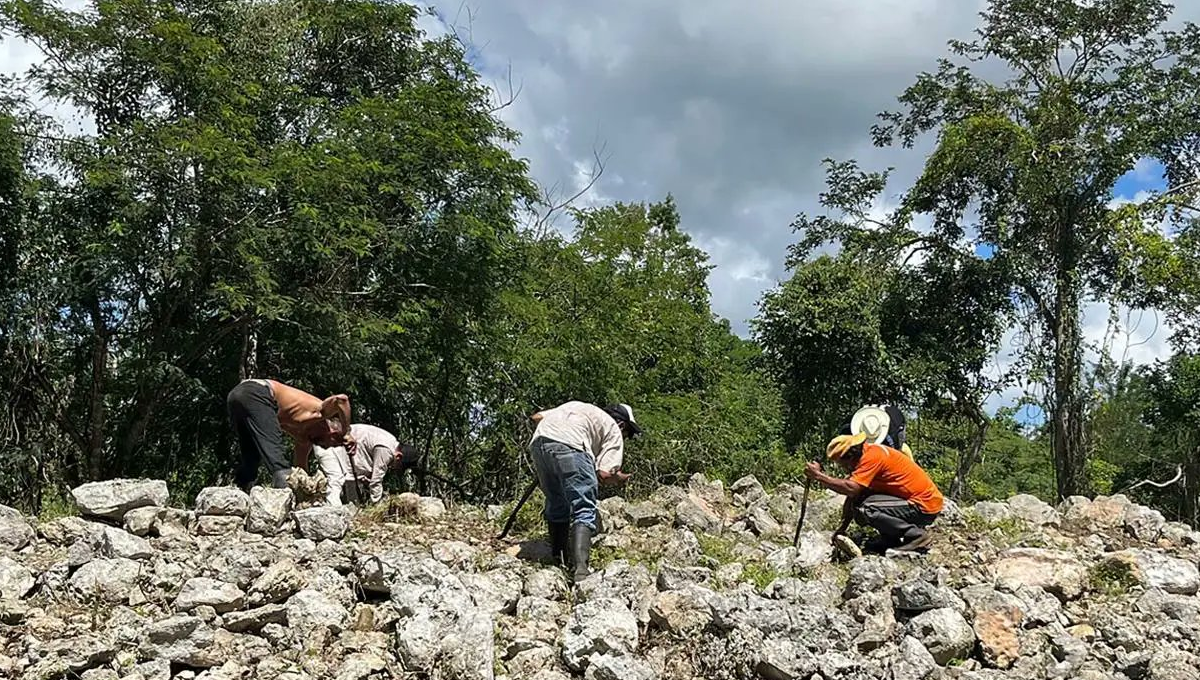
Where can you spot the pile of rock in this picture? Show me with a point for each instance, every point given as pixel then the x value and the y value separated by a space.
pixel 697 581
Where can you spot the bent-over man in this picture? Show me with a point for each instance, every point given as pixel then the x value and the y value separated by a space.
pixel 575 447
pixel 886 490
pixel 355 471
pixel 261 411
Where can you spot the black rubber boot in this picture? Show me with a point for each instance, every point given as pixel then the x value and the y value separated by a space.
pixel 559 537
pixel 581 550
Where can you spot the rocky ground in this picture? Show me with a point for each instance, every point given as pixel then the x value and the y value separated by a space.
pixel 695 582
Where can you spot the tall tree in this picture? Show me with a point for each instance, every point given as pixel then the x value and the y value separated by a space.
pixel 308 190
pixel 1024 168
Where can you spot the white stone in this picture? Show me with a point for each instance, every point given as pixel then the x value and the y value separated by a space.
pixel 600 626
pixel 1056 572
pixel 15 530
pixel 322 523
pixel 945 633
pixel 222 500
pixel 309 610
pixel 120 543
pixel 113 498
pixel 109 580
pixel 15 579
pixel 200 591
pixel 140 521
pixel 269 510
pixel 1032 509
pixel 218 525
pixel 1154 569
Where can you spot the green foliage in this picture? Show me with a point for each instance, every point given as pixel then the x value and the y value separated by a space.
pixel 1112 577
pixel 1017 190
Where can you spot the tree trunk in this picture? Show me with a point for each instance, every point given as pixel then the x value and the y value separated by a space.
pixel 970 457
pixel 97 409
pixel 1191 489
pixel 1070 455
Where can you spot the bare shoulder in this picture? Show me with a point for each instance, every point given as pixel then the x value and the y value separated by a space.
pixel 290 397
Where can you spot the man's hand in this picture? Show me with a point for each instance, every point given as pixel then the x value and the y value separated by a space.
pixel 813 470
pixel 615 478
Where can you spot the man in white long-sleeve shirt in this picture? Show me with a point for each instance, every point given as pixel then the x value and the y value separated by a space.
pixel 576 447
pixel 364 463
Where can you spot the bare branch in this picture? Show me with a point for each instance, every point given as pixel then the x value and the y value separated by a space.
pixel 555 207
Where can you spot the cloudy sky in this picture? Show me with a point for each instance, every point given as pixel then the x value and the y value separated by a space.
pixel 728 106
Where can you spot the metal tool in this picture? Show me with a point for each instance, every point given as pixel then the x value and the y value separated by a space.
pixel 512 516
pixel 803 510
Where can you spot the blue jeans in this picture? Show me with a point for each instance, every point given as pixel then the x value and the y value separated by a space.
pixel 568 480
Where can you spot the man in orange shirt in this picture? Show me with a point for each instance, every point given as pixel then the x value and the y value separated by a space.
pixel 886 490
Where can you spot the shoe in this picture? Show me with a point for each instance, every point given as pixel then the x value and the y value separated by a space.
pixel 581 549
pixel 878 546
pixel 919 544
pixel 559 537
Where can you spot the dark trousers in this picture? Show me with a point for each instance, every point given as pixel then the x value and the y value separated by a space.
pixel 254 414
pixel 896 520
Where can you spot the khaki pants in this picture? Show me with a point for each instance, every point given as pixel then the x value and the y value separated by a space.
pixel 335 463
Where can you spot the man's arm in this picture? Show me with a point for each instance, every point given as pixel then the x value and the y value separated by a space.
pixel 847 488
pixel 300 456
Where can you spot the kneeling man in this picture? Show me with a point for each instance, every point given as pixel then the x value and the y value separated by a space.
pixel 886 490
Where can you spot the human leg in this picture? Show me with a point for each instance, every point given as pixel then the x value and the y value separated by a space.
pixel 254 415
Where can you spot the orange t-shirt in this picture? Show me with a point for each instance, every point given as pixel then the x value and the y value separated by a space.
pixel 886 470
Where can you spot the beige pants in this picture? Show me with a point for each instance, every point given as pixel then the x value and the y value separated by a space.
pixel 339 472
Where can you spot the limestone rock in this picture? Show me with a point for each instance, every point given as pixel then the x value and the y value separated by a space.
pixel 1032 509
pixel 15 579
pixel 599 626
pixel 608 667
pixel 113 498
pixel 1153 569
pixel 945 633
pixel 308 610
pixel 198 591
pixel 998 634
pixel 1144 524
pixel 1055 571
pixel 322 523
pixel 120 543
pixel 253 620
pixel 869 574
pixel 747 491
pixel 140 521
pixel 109 580
pixel 269 510
pixel 696 513
pixel 646 514
pixel 218 525
pixel 15 531
pixel 429 508
pixel 682 612
pixel 991 512
pixel 222 500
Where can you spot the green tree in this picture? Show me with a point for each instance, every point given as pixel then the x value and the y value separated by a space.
pixel 1024 167
pixel 308 190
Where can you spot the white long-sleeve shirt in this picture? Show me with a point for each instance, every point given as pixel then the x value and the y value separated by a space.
pixel 374 451
pixel 585 427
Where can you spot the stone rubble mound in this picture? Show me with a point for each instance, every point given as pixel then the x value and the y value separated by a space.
pixel 699 581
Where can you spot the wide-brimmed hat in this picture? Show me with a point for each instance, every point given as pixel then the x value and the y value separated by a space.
pixel 873 422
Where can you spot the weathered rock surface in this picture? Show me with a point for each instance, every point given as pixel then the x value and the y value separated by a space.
pixel 222 500
pixel 15 531
pixel 113 498
pixel 698 581
pixel 1055 571
pixel 322 523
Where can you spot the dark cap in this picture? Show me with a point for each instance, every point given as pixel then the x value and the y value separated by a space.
pixel 622 413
